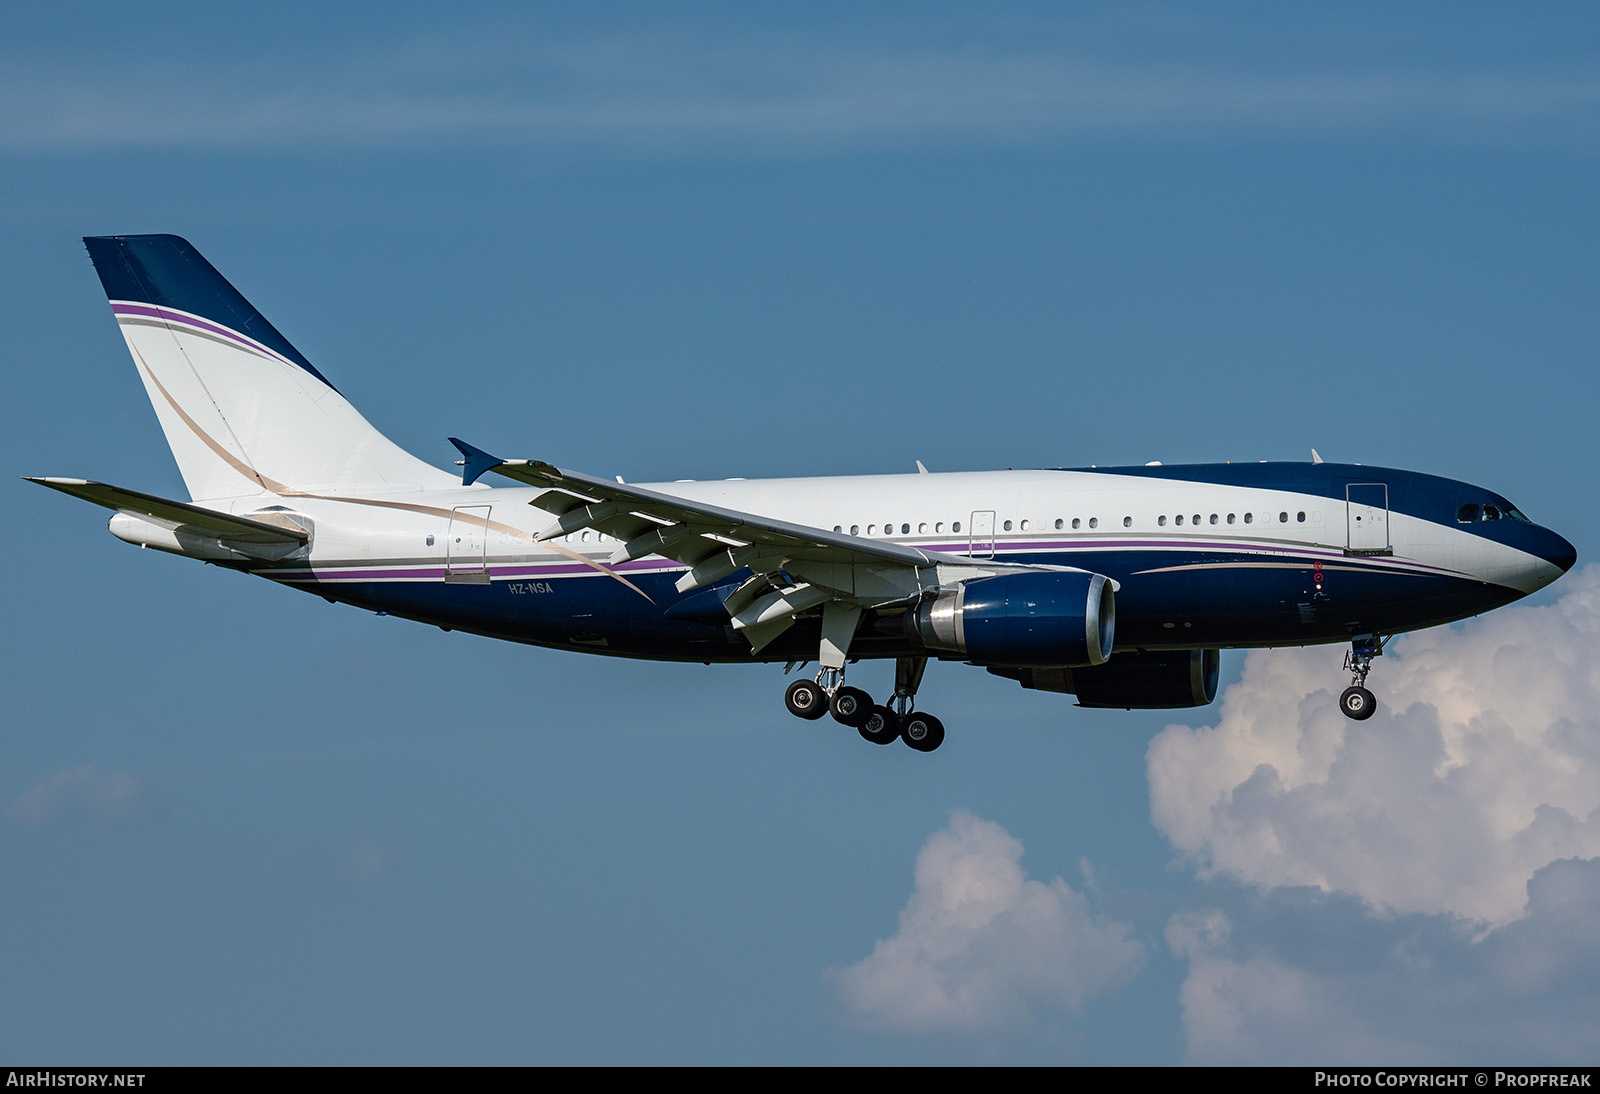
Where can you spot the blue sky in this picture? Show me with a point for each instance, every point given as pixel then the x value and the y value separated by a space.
pixel 239 825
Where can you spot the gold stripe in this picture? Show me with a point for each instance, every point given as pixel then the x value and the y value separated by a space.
pixel 275 487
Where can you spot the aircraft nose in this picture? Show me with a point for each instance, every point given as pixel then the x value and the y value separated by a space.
pixel 1559 552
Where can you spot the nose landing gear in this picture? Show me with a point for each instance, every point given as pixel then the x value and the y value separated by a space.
pixel 1357 702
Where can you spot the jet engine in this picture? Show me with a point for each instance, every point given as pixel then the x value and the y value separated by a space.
pixel 1054 618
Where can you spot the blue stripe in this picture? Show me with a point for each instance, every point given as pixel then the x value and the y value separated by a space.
pixel 1178 609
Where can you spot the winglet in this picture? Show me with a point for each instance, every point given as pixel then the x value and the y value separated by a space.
pixel 477 461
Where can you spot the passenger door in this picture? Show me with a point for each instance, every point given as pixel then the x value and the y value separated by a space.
pixel 467 545
pixel 1367 518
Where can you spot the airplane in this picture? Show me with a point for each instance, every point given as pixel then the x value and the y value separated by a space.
pixel 1117 585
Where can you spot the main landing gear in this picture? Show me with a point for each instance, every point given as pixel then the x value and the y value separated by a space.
pixel 853 707
pixel 1357 702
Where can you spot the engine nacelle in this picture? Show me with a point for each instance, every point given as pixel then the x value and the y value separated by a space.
pixel 1021 619
pixel 1141 679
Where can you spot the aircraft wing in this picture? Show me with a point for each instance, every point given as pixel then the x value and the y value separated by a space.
pixel 795 567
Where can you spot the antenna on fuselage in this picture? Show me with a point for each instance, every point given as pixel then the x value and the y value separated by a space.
pixel 1314 457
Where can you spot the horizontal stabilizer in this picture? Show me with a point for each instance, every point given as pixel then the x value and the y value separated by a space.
pixel 178 514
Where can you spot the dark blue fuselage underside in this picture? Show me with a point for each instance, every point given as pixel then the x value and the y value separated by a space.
pixel 1225 601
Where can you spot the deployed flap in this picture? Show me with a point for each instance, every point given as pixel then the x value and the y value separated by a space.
pixel 178 514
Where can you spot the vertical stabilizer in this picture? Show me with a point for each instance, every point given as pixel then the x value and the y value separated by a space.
pixel 243 410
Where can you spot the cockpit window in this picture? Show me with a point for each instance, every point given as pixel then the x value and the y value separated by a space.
pixel 1474 511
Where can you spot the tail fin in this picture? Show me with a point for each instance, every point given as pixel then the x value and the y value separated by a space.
pixel 243 410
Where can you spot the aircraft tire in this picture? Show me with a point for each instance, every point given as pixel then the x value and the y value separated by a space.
pixel 881 726
pixel 806 700
pixel 851 707
pixel 922 732
pixel 1358 704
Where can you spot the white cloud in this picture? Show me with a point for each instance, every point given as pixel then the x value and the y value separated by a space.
pixel 358 860
pixel 753 91
pixel 85 792
pixel 1481 766
pixel 981 946
pixel 1295 979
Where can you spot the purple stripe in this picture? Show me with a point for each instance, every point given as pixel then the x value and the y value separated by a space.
pixel 560 569
pixel 167 314
pixel 362 575
pixel 557 570
pixel 1202 545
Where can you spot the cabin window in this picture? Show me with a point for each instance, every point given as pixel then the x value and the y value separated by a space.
pixel 1247 518
pixel 1075 523
pixel 905 529
pixel 922 529
pixel 855 529
pixel 1007 526
pixel 1024 526
pixel 1283 518
pixel 1127 522
pixel 1161 521
pixel 955 526
pixel 1094 522
pixel 430 541
pixel 1059 523
pixel 1230 518
pixel 872 529
pixel 1178 520
pixel 939 527
pixel 1213 518
pixel 1300 516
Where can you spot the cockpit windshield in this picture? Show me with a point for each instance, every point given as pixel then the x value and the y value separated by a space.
pixel 1476 511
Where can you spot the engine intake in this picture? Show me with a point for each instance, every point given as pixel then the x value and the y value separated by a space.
pixel 1021 619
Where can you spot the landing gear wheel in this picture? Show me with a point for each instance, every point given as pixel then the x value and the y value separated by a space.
pixel 922 732
pixel 1358 703
pixel 852 706
pixel 881 727
pixel 805 700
